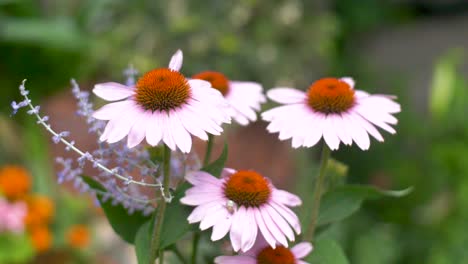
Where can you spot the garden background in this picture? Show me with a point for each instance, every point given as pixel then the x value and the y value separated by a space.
pixel 416 49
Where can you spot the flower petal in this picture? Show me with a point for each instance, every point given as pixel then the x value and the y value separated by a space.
pixel 271 240
pixel 112 91
pixel 221 228
pixel 286 198
pixel 181 136
pixel 350 81
pixel 154 130
pixel 112 110
pixel 138 131
pixel 237 228
pixel 250 230
pixel 284 95
pixel 235 260
pixel 301 250
pixel 176 61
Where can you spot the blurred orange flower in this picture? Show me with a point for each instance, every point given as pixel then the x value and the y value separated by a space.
pixel 41 238
pixel 41 209
pixel 15 181
pixel 78 236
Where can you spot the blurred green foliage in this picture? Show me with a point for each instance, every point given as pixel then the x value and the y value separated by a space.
pixel 275 43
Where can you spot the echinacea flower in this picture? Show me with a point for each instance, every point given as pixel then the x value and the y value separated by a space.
pixel 331 109
pixel 12 216
pixel 15 181
pixel 78 236
pixel 244 98
pixel 162 106
pixel 243 203
pixel 262 253
pixel 41 238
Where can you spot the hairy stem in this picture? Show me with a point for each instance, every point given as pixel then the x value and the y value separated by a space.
pixel 159 217
pixel 209 148
pixel 318 191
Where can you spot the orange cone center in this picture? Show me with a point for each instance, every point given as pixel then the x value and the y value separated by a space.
pixel 330 95
pixel 217 80
pixel 247 188
pixel 162 90
pixel 279 255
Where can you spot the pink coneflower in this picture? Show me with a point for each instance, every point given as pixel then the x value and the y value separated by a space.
pixel 242 203
pixel 333 109
pixel 162 106
pixel 244 98
pixel 12 216
pixel 262 253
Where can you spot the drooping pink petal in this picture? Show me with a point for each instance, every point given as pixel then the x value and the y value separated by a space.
pixel 221 228
pixel 192 125
pixel 250 232
pixel 286 198
pixel 264 229
pixel 358 133
pixel 338 124
pixel 235 260
pixel 214 215
pixel 201 177
pixel 121 126
pixel 273 228
pixel 181 136
pixel 329 134
pixel 285 95
pixel 301 250
pixel 112 91
pixel 200 211
pixel 198 199
pixel 154 129
pixel 138 131
pixel 167 131
pixel 237 228
pixel 289 215
pixel 112 110
pixel 279 221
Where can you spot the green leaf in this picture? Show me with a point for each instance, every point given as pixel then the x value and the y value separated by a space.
pixel 327 251
pixel 124 224
pixel 175 224
pixel 15 248
pixel 143 242
pixel 61 33
pixel 444 83
pixel 216 167
pixel 342 202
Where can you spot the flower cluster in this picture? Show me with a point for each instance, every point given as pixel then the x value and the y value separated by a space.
pixel 28 211
pixel 11 216
pixel 164 108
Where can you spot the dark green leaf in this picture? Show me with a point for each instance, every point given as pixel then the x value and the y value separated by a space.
pixel 124 224
pixel 216 167
pixel 342 202
pixel 143 242
pixel 327 251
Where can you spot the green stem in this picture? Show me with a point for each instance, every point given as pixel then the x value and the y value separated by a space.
pixel 159 213
pixel 206 161
pixel 318 191
pixel 209 148
pixel 161 257
pixel 196 239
